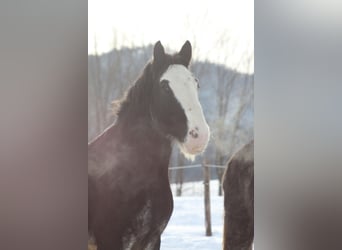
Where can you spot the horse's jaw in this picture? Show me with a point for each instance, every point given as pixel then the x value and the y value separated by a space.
pixel 191 151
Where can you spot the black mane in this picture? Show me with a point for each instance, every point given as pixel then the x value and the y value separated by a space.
pixel 136 100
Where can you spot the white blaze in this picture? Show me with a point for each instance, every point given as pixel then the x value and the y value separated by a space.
pixel 184 87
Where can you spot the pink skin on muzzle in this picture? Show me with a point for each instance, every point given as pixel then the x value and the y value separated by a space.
pixel 196 140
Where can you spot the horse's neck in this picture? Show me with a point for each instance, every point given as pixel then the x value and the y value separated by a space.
pixel 142 134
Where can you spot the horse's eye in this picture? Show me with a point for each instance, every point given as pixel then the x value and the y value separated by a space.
pixel 165 85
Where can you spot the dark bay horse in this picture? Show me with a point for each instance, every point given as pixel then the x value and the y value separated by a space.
pixel 238 186
pixel 130 200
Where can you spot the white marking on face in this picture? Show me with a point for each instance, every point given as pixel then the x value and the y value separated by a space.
pixel 184 87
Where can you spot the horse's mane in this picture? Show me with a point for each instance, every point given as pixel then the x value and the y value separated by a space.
pixel 137 96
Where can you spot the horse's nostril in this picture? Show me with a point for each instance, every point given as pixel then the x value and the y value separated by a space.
pixel 193 133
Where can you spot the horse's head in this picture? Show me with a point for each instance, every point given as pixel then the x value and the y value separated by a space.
pixel 175 106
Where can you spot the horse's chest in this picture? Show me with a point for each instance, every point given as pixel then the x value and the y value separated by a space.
pixel 139 228
pixel 147 225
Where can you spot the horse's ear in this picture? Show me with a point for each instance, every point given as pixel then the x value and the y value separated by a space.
pixel 185 52
pixel 158 52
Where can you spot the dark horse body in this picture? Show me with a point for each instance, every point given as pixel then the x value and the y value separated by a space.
pixel 130 200
pixel 238 186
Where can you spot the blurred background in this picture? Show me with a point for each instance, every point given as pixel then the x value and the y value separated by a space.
pixel 121 35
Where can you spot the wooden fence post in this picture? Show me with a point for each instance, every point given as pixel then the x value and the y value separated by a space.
pixel 207 213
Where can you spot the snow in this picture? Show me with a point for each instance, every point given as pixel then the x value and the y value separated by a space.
pixel 186 228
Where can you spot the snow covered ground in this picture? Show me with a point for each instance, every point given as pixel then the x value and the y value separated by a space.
pixel 186 228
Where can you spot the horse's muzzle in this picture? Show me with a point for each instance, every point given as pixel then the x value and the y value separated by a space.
pixel 196 140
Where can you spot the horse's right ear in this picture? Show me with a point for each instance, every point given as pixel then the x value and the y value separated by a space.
pixel 158 52
pixel 186 52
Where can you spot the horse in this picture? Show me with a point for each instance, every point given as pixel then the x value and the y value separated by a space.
pixel 129 196
pixel 238 187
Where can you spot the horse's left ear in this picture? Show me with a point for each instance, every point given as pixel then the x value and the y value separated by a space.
pixel 158 53
pixel 185 52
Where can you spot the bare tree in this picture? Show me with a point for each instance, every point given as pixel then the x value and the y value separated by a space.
pixel 226 132
pixel 225 86
pixel 96 84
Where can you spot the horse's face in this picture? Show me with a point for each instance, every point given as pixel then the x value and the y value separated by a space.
pixel 175 103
